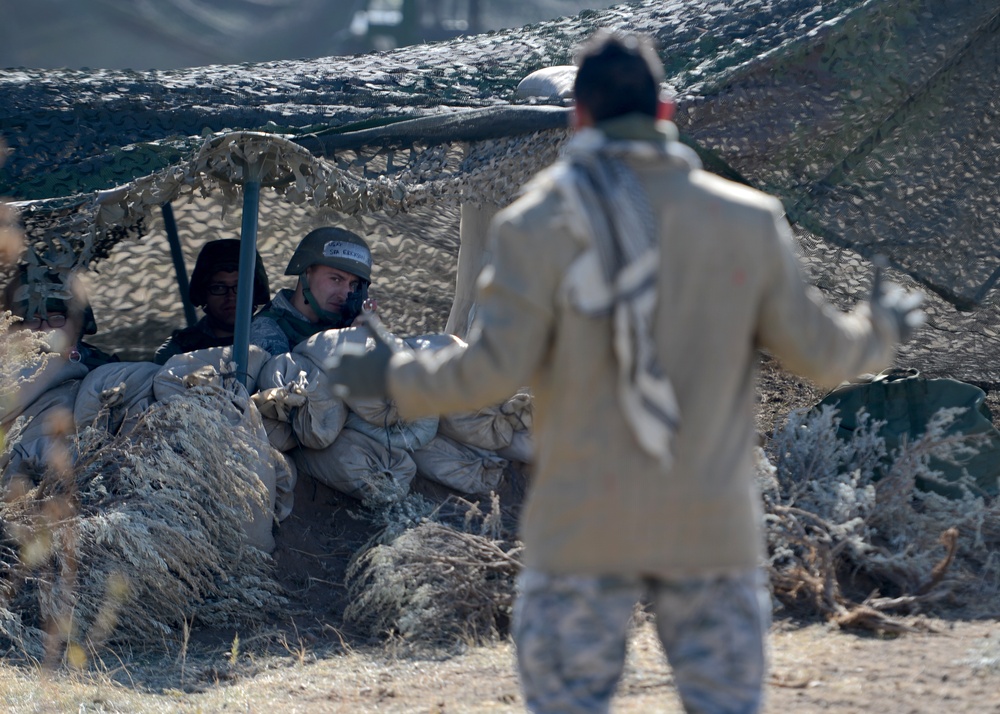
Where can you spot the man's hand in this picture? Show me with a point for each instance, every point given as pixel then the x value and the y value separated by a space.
pixel 902 306
pixel 361 372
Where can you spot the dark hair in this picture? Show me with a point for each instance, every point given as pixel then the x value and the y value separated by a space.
pixel 618 74
pixel 224 255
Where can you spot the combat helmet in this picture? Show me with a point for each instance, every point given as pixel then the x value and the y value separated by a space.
pixel 224 256
pixel 335 247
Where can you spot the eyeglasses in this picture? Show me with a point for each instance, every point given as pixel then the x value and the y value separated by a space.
pixel 218 289
pixel 56 320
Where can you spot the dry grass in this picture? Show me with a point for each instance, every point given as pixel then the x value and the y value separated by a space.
pixel 140 536
pixel 952 667
pixel 438 583
pixel 859 550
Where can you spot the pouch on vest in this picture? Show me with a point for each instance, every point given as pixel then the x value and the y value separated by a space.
pixel 906 401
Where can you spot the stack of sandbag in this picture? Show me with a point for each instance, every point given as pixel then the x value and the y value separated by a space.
pixel 369 457
pixel 192 370
pixel 217 366
pixel 116 396
pixel 470 451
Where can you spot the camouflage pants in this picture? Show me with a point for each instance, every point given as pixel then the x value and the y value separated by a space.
pixel 571 631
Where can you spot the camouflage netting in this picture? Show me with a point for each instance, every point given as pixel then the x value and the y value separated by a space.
pixel 875 122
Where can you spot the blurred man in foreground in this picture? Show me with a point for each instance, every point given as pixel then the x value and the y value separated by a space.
pixel 631 290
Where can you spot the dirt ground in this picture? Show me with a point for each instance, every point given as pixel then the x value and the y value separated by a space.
pixel 945 664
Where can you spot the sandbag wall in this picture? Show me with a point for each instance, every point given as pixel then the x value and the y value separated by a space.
pixel 363 448
pixel 294 416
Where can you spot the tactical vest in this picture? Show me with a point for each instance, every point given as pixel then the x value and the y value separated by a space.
pixel 295 330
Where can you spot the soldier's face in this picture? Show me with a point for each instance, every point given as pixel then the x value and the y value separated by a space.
pixel 220 298
pixel 330 286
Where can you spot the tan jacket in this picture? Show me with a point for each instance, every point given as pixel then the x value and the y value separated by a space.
pixel 729 283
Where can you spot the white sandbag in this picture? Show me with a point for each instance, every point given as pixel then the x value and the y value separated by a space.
pixel 259 526
pixel 113 395
pixel 435 342
pixel 35 380
pixel 295 390
pixel 279 433
pixel 168 381
pixel 463 468
pixel 406 435
pixel 521 448
pixel 548 83
pixel 489 428
pixel 380 412
pixel 45 391
pixel 323 346
pixel 29 439
pixel 359 466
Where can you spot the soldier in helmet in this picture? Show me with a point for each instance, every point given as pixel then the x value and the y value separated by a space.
pixel 213 288
pixel 334 268
pixel 56 304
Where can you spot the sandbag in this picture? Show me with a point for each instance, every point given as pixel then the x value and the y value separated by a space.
pixel 27 416
pixel 379 418
pixel 406 435
pixel 321 347
pixel 33 381
pixel 458 466
pixel 241 413
pixel 381 412
pixel 279 433
pixel 29 439
pixel 359 466
pixel 906 401
pixel 490 428
pixel 113 395
pixel 170 379
pixel 435 342
pixel 521 447
pixel 294 390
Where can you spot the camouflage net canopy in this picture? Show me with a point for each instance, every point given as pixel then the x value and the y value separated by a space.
pixel 876 123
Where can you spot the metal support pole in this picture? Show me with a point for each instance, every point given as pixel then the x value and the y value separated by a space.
pixel 244 291
pixel 170 225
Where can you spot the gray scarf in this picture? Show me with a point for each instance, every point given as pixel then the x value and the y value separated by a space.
pixel 618 277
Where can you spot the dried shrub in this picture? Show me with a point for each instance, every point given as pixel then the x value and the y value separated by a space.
pixel 137 536
pixel 21 356
pixel 443 581
pixel 860 550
